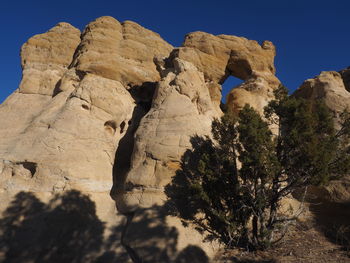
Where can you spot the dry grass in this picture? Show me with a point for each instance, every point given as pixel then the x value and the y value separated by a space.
pixel 313 241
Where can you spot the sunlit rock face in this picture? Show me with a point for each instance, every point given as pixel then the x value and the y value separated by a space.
pixel 219 57
pixel 108 113
pixel 186 100
pixel 60 129
pixel 328 86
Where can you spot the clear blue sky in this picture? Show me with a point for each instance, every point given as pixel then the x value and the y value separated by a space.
pixel 310 36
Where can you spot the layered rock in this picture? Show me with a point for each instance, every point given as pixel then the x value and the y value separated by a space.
pixel 60 130
pixel 117 106
pixel 186 100
pixel 46 57
pixel 122 52
pixel 180 109
pixel 219 57
pixel 328 86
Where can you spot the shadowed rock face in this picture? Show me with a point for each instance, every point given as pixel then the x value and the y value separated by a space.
pixel 345 74
pixel 333 88
pixel 115 107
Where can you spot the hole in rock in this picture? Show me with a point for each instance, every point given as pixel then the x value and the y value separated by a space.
pixel 230 83
pixel 85 107
pixel 30 166
pixel 122 126
pixel 110 126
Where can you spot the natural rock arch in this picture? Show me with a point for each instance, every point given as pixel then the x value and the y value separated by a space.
pixel 78 106
pixel 228 85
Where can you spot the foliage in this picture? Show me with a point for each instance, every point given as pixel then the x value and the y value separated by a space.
pixel 231 185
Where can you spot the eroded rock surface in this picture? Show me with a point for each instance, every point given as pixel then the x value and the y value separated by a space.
pixel 219 57
pixel 117 106
pixel 181 108
pixel 120 51
pixel 60 130
pixel 46 57
pixel 186 100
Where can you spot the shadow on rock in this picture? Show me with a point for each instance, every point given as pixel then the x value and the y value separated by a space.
pixel 66 229
pixel 180 197
pixel 192 254
pixel 149 238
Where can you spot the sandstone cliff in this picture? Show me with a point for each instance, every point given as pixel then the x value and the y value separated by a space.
pixel 113 109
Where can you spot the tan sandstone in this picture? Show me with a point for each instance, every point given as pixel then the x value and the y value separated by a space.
pixel 115 108
pixel 219 57
pixel 71 111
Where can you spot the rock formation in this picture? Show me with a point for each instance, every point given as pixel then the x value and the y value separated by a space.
pixel 115 107
pixel 186 100
pixel 329 86
pixel 333 88
pixel 219 57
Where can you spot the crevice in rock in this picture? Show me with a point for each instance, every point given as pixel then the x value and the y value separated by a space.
pixel 131 252
pixel 81 74
pixel 57 89
pixel 143 96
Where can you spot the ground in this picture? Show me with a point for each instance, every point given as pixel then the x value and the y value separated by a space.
pixel 324 236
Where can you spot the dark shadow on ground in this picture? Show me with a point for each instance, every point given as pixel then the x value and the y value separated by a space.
pixel 333 219
pixel 237 260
